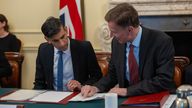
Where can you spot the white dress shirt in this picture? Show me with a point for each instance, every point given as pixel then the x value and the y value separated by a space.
pixel 67 67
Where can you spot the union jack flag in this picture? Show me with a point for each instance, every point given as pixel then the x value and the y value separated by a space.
pixel 70 16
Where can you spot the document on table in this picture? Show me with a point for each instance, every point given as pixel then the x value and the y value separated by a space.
pixel 11 106
pixel 79 97
pixel 47 96
pixel 51 96
pixel 8 106
pixel 169 101
pixel 21 95
pixel 189 98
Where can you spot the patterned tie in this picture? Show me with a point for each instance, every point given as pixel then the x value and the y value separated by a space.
pixel 60 72
pixel 133 67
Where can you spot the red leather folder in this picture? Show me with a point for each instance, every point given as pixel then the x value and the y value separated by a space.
pixel 63 101
pixel 66 100
pixel 156 99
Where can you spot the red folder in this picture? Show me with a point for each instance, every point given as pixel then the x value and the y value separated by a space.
pixel 66 100
pixel 156 99
pixel 63 101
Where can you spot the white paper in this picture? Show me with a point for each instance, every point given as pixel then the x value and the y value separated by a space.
pixel 79 97
pixel 189 98
pixel 169 101
pixel 51 96
pixel 22 95
pixel 8 106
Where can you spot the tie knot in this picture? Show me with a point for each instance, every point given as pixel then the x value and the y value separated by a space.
pixel 131 46
pixel 60 52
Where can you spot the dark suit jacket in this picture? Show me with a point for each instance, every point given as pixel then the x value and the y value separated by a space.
pixel 5 68
pixel 188 73
pixel 85 66
pixel 156 65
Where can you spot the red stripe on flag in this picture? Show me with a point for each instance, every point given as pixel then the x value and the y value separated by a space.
pixel 74 17
pixel 76 20
pixel 63 3
pixel 70 33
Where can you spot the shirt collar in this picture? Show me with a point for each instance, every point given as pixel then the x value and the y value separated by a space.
pixel 68 51
pixel 136 41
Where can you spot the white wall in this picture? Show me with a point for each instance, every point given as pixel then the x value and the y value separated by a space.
pixel 26 17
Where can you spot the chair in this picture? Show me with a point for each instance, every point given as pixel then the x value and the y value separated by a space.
pixel 103 61
pixel 14 81
pixel 180 63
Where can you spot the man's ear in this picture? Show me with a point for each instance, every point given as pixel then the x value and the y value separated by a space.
pixel 129 28
pixel 48 40
pixel 65 29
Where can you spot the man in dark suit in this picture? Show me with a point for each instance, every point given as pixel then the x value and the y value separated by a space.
pixel 79 64
pixel 142 59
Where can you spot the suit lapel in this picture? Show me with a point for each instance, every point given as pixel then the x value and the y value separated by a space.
pixel 74 57
pixel 121 63
pixel 143 49
pixel 50 58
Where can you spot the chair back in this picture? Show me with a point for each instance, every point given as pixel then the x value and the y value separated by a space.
pixel 14 81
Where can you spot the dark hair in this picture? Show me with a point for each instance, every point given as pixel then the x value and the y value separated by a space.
pixel 123 15
pixel 51 27
pixel 4 19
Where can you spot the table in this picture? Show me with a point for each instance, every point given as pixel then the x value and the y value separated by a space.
pixel 88 104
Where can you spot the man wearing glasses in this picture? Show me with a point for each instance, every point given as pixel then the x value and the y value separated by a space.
pixel 64 64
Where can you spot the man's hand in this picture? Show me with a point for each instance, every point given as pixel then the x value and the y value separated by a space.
pixel 119 91
pixel 88 91
pixel 73 85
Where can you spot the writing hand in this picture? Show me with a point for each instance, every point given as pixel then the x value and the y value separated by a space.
pixel 88 91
